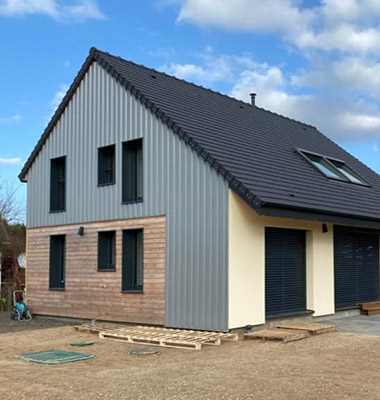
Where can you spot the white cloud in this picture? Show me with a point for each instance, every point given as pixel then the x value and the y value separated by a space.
pixel 200 74
pixel 349 25
pixel 10 160
pixel 249 15
pixel 76 10
pixel 59 95
pixel 375 148
pixel 10 119
pixel 339 88
pixel 343 117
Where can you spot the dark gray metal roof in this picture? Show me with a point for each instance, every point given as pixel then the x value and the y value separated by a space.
pixel 253 148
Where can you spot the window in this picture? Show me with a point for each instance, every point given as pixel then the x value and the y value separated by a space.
pixel 57 262
pixel 132 263
pixel 347 172
pixel 106 165
pixel 132 190
pixel 333 169
pixel 323 165
pixel 57 184
pixel 106 251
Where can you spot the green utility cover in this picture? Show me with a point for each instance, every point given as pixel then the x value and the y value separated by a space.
pixel 82 344
pixel 52 357
pixel 143 352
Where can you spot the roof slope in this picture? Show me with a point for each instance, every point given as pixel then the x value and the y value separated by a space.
pixel 253 148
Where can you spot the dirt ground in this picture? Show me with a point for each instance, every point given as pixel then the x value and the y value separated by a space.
pixel 331 366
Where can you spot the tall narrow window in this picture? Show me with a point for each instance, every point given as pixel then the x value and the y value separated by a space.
pixel 106 251
pixel 57 262
pixel 58 184
pixel 132 189
pixel 106 165
pixel 132 265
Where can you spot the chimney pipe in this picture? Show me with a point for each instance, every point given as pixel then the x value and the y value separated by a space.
pixel 253 99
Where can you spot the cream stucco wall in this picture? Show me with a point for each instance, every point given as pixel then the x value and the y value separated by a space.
pixel 246 251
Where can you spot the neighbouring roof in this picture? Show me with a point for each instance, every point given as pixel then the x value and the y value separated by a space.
pixel 254 149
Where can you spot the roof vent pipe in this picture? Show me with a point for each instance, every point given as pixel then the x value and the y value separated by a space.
pixel 253 99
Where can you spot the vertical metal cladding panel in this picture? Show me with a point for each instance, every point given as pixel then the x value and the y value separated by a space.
pixel 177 183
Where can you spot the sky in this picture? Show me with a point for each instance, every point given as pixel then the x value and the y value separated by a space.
pixel 315 61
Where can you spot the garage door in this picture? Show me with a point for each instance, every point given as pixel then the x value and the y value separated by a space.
pixel 356 258
pixel 285 271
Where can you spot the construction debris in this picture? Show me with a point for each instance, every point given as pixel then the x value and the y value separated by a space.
pixel 291 332
pixel 313 329
pixel 284 335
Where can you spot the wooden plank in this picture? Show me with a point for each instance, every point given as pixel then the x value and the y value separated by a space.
pixel 313 329
pixel 370 306
pixel 284 335
pixel 370 311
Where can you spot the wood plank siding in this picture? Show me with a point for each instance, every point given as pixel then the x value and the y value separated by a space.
pixel 90 293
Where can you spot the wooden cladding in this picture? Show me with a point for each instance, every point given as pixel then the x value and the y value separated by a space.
pixel 88 292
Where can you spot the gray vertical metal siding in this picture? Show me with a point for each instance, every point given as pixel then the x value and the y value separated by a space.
pixel 177 183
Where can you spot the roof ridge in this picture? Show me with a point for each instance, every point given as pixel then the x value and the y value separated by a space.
pixel 94 50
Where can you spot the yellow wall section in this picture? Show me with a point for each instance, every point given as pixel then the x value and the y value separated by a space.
pixel 246 294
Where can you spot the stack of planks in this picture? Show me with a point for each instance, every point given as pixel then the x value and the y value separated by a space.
pixel 291 332
pixel 155 336
pixel 370 308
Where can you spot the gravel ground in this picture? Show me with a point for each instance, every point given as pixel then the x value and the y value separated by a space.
pixel 331 366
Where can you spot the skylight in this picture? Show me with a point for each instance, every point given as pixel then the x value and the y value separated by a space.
pixel 333 169
pixel 323 166
pixel 349 174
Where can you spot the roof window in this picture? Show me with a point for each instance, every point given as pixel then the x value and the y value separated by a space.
pixel 333 169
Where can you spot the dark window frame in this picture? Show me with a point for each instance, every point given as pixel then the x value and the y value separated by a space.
pixel 105 266
pixel 60 270
pixel 132 258
pixel 107 165
pixel 132 171
pixel 57 185
pixel 330 162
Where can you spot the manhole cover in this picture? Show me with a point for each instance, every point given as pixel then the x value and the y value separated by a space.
pixel 143 352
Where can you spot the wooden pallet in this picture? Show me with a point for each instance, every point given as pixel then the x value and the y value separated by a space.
pixel 155 336
pixel 96 328
pixel 313 329
pixel 283 335
pixel 370 308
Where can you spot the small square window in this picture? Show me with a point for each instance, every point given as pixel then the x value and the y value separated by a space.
pixel 107 251
pixel 106 165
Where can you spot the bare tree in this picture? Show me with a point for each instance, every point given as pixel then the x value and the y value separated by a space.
pixel 11 210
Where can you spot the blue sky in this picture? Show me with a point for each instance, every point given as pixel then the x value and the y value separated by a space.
pixel 317 61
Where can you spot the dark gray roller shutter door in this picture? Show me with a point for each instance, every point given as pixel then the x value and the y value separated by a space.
pixel 285 271
pixel 356 266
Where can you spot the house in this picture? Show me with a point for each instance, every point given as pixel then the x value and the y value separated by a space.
pixel 153 200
